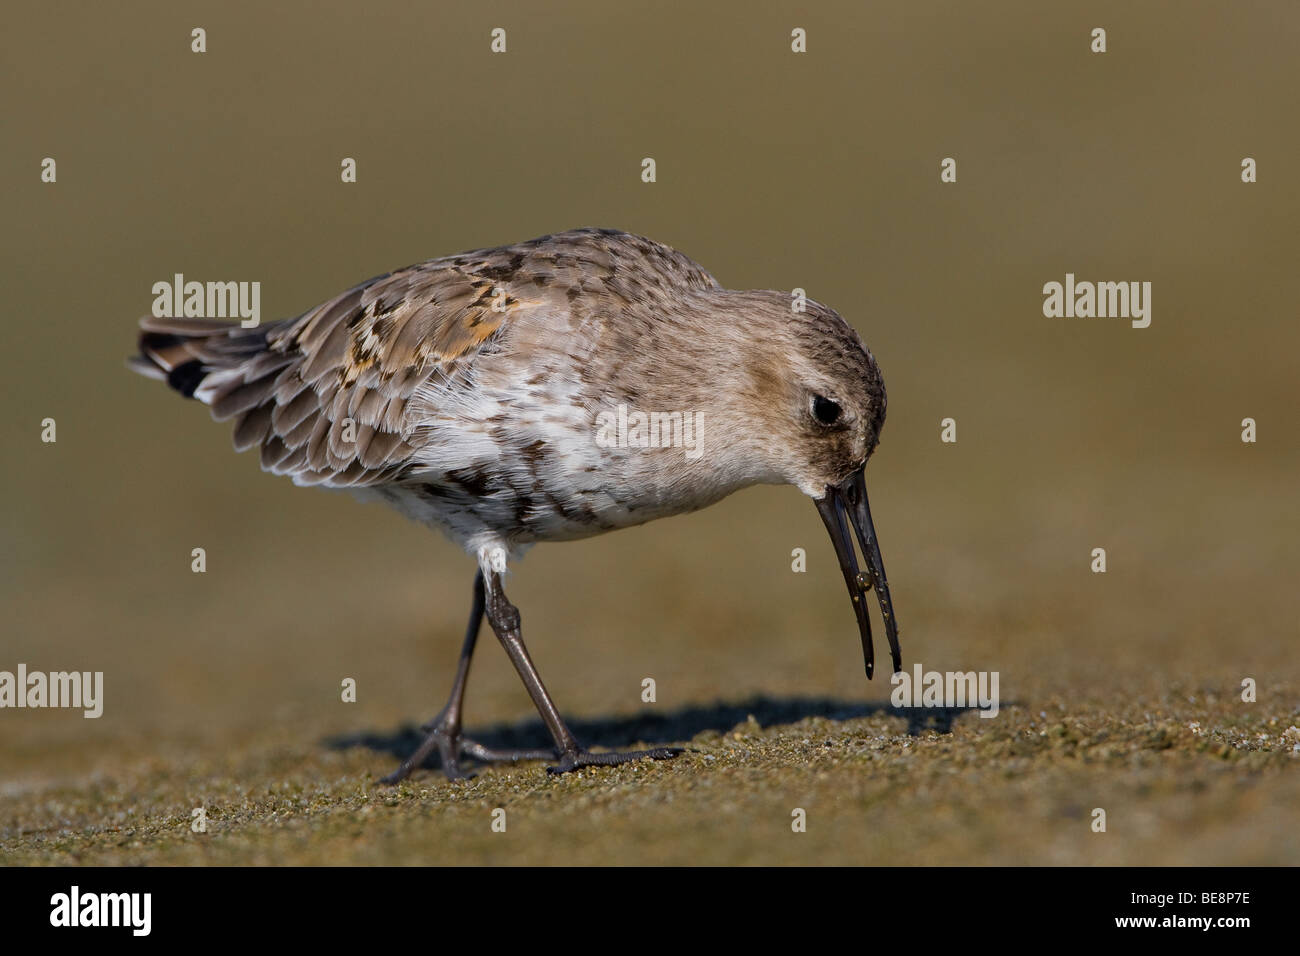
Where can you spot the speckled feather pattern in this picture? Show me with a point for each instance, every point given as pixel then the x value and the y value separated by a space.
pixel 473 383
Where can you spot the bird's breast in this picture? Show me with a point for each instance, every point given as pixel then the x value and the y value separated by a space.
pixel 546 461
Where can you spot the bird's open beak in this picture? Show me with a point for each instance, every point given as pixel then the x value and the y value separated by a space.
pixel 849 499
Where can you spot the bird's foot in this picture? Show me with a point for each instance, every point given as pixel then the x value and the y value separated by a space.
pixel 585 758
pixel 472 748
pixel 444 738
pixel 451 746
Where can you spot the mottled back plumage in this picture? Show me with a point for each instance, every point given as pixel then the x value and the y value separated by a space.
pixel 469 384
pixel 363 354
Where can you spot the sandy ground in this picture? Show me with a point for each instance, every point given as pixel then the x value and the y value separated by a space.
pixel 1114 695
pixel 1020 789
pixel 1120 691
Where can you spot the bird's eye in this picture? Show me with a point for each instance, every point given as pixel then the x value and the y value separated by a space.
pixel 824 410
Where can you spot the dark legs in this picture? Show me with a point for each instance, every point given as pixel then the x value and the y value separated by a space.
pixel 444 731
pixel 504 619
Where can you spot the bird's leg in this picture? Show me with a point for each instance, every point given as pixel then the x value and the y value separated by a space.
pixel 444 731
pixel 504 619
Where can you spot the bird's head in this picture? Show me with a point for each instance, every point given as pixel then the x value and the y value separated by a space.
pixel 824 401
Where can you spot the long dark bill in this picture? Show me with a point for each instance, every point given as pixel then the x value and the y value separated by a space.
pixel 841 505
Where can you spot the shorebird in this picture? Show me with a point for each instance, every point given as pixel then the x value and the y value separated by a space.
pixel 466 392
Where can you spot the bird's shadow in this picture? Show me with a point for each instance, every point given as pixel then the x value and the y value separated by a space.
pixel 655 729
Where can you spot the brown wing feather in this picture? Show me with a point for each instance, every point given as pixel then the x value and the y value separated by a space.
pixel 360 357
pixel 292 385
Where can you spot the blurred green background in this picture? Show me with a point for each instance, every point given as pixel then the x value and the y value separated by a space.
pixel 775 170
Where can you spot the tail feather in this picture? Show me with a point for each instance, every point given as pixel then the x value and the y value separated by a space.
pixel 284 384
pixel 203 358
pixel 146 367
